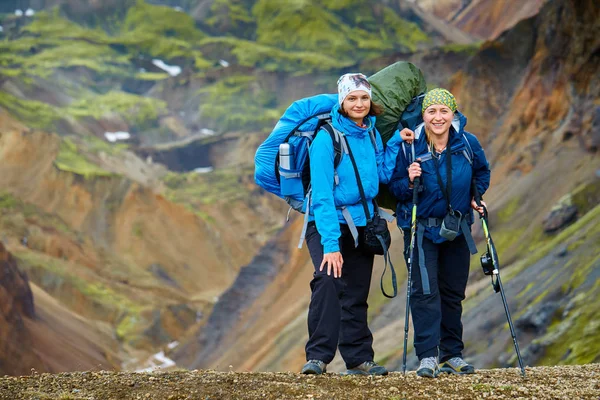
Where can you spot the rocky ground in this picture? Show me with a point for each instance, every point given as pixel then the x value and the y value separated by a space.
pixel 564 382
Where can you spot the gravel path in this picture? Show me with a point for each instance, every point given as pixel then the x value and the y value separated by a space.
pixel 564 382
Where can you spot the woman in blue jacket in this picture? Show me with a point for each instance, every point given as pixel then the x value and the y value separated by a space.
pixel 447 159
pixel 337 316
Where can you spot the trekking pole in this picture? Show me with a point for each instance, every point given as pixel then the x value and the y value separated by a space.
pixel 491 265
pixel 411 251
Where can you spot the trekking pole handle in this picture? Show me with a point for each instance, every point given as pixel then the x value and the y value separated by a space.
pixel 476 194
pixel 416 184
pixel 477 198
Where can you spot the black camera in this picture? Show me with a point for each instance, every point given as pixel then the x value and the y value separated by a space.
pixel 487 263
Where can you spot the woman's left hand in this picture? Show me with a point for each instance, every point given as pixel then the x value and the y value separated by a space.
pixel 475 207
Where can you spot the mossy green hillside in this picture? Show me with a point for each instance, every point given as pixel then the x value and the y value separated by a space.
pixel 575 338
pixel 239 101
pixel 468 50
pixel 343 29
pixel 140 111
pixel 198 191
pixel 249 53
pixel 65 279
pixel 232 15
pixel 51 41
pixel 19 219
pixel 315 37
pixel 70 158
pixel 161 31
pixel 35 113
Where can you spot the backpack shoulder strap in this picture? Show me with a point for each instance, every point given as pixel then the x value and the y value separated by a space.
pixel 468 151
pixel 373 139
pixel 409 155
pixel 337 143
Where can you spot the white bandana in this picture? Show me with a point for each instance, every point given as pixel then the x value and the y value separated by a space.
pixel 349 83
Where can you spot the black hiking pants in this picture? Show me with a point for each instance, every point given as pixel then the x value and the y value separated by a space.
pixel 337 315
pixel 437 316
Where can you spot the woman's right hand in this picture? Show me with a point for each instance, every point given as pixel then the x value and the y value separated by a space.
pixel 334 262
pixel 407 135
pixel 414 170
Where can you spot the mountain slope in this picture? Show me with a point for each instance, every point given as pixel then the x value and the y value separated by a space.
pixel 483 19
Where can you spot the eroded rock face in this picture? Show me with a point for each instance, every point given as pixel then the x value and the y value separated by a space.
pixel 485 19
pixel 16 304
pixel 560 217
pixel 537 319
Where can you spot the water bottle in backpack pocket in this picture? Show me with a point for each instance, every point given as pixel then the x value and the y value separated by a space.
pixel 290 177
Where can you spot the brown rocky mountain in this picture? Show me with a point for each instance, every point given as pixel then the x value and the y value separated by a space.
pixel 483 19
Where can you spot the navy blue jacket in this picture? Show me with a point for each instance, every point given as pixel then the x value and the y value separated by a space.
pixel 432 202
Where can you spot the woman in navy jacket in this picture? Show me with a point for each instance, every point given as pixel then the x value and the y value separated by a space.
pixel 337 316
pixel 441 256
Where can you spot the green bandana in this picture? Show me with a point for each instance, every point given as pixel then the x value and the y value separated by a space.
pixel 439 96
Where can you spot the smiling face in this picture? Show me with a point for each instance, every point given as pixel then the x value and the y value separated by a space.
pixel 438 119
pixel 357 105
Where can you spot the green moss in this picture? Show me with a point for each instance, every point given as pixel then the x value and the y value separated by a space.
pixel 95 145
pixel 576 339
pixel 482 387
pixel 101 59
pixel 309 25
pixel 586 196
pixel 34 113
pixel 138 230
pixel 47 25
pixel 51 42
pixel 219 186
pixel 118 308
pixel 524 292
pixel 160 31
pixel 469 49
pixel 8 201
pixel 249 106
pixel 140 111
pixel 507 212
pixel 151 76
pixel 230 15
pixel 270 58
pixel 70 159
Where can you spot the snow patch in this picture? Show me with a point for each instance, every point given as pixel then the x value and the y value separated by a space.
pixel 19 13
pixel 158 361
pixel 206 131
pixel 114 136
pixel 203 170
pixel 30 12
pixel 172 345
pixel 177 8
pixel 224 63
pixel 1 28
pixel 172 70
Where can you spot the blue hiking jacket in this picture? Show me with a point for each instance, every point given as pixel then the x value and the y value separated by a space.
pixel 373 167
pixel 432 202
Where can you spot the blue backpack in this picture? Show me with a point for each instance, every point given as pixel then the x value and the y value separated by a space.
pixel 295 130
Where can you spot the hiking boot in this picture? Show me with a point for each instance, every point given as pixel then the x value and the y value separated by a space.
pixel 314 367
pixel 428 368
pixel 457 365
pixel 368 368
